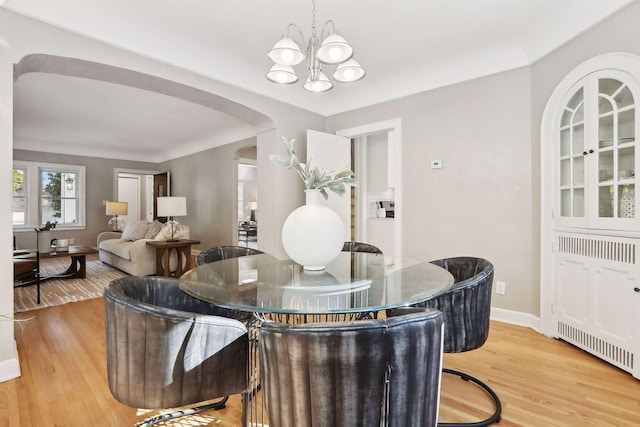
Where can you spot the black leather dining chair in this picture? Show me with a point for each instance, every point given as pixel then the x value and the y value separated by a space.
pixel 218 253
pixel 166 349
pixel 351 246
pixel 466 307
pixel 383 372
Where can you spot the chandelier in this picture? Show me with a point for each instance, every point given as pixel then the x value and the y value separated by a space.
pixel 334 50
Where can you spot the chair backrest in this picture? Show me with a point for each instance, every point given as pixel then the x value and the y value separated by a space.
pixel 167 349
pixel 218 253
pixel 354 373
pixel 360 247
pixel 467 305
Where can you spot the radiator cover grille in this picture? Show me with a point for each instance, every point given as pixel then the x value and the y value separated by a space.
pixel 597 346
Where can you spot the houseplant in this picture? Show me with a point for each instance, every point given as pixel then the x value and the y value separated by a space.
pixel 313 234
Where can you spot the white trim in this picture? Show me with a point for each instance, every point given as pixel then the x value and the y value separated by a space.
pixel 622 61
pixel 10 368
pixel 33 190
pixel 517 318
pixel 394 127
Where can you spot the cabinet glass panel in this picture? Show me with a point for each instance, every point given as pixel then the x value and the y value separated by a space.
pixel 627 203
pixel 578 171
pixel 565 172
pixel 609 87
pixel 573 111
pixel 578 139
pixel 565 142
pixel 624 98
pixel 605 130
pixel 605 201
pixel 565 203
pixel 605 166
pixel 626 164
pixel 626 128
pixel 578 203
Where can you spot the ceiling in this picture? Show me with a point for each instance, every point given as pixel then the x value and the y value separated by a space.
pixel 406 47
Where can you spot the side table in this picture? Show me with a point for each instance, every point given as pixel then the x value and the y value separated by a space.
pixel 182 249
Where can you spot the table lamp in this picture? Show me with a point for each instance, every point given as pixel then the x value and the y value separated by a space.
pixel 252 206
pixel 116 208
pixel 170 207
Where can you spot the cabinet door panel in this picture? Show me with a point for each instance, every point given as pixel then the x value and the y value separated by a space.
pixel 573 291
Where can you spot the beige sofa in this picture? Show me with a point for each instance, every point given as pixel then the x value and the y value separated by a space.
pixel 128 251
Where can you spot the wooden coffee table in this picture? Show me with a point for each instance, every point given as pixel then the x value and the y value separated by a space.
pixel 78 267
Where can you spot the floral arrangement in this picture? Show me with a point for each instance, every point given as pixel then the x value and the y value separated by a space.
pixel 47 227
pixel 315 178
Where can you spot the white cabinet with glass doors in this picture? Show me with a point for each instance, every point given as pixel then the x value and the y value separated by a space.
pixel 597 153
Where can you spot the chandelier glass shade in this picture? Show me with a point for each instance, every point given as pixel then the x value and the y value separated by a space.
pixel 334 50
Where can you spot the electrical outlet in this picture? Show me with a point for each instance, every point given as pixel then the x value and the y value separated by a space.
pixel 501 288
pixel 72 241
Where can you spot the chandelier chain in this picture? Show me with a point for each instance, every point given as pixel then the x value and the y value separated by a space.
pixel 313 21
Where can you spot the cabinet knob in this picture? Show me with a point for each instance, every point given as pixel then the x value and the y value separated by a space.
pixel 591 151
pixel 584 153
pixel 636 289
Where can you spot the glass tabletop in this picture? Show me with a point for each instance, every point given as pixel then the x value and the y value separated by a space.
pixel 354 282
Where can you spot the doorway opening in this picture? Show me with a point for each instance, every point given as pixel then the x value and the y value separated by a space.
pixel 246 223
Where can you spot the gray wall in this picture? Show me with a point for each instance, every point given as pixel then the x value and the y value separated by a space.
pixel 479 203
pixel 99 176
pixel 209 182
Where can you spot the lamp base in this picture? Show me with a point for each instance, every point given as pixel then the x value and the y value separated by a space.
pixel 172 231
pixel 116 224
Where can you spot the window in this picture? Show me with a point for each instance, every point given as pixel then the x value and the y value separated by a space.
pixel 48 192
pixel 19 197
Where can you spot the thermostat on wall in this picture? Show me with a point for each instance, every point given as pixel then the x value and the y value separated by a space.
pixel 436 164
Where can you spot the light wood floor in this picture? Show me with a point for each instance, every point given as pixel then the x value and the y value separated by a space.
pixel 542 382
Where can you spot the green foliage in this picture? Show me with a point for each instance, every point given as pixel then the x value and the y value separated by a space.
pixel 314 178
pixel 18 181
pixel 53 191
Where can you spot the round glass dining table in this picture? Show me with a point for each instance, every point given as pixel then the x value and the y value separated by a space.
pixel 355 285
pixel 355 282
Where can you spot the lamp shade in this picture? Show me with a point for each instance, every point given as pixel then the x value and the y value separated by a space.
pixel 117 208
pixel 286 52
pixel 334 50
pixel 320 85
pixel 349 71
pixel 283 74
pixel 172 206
pixel 252 205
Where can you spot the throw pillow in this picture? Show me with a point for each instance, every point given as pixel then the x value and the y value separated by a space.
pixel 154 229
pixel 135 230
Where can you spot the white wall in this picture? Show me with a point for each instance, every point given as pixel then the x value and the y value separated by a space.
pixel 480 202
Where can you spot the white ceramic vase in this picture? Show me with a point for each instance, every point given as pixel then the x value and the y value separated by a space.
pixel 313 234
pixel 44 241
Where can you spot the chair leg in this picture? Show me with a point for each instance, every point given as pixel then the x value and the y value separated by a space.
pixel 183 412
pixel 495 418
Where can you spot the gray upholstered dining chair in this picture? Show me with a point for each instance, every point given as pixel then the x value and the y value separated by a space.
pixel 383 372
pixel 351 246
pixel 466 308
pixel 218 253
pixel 166 349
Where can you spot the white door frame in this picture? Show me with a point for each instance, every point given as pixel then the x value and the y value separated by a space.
pixel 394 128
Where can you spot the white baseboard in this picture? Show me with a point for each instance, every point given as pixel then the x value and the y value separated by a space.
pixel 515 318
pixel 10 368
